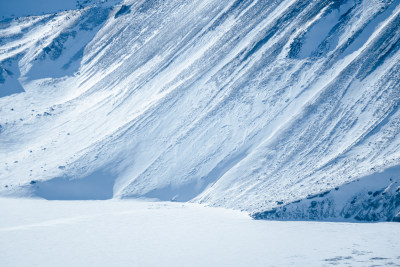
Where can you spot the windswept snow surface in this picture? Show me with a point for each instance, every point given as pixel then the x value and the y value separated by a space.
pixel 130 233
pixel 237 104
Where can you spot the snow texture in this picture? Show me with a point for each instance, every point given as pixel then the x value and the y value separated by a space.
pixel 239 104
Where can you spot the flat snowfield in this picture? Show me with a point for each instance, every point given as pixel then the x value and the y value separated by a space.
pixel 132 233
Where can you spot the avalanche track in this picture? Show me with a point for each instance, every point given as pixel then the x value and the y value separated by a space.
pixel 241 104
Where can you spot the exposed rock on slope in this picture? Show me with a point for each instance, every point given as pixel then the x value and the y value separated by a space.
pixel 373 198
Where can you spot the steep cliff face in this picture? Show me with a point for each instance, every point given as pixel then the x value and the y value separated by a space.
pixel 230 103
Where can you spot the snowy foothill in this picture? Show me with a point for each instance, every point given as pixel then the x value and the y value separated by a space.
pixel 37 232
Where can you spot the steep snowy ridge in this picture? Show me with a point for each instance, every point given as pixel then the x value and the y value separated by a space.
pixel 240 104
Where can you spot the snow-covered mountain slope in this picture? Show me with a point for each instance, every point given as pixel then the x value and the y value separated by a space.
pixel 240 104
pixel 356 201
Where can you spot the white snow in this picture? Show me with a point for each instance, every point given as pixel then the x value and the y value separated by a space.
pixel 234 104
pixel 226 103
pixel 36 232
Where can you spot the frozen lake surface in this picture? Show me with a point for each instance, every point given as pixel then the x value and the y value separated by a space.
pixel 134 233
